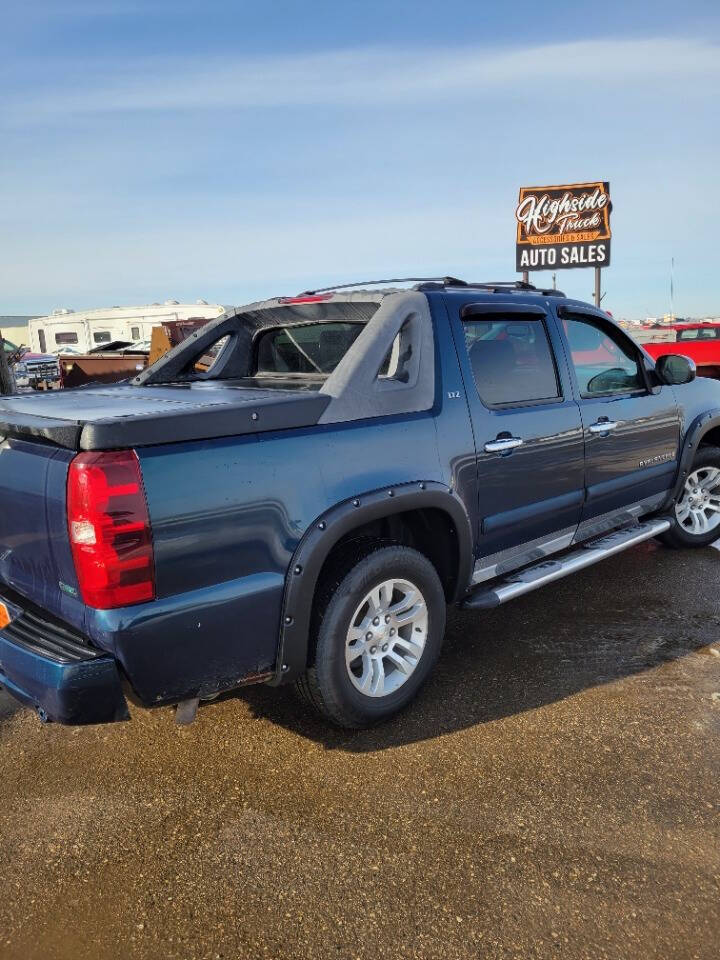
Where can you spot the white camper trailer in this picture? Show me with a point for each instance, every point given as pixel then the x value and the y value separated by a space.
pixel 65 331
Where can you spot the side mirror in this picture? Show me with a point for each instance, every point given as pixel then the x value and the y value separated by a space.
pixel 674 369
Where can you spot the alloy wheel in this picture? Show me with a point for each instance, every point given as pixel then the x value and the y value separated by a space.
pixel 698 509
pixel 386 637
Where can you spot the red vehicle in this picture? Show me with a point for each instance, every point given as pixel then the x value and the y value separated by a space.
pixel 699 341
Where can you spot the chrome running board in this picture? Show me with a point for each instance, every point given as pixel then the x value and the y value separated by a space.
pixel 537 575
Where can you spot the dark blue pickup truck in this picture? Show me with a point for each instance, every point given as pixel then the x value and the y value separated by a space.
pixel 296 492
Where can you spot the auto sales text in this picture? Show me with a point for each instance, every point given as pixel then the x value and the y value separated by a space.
pixel 554 255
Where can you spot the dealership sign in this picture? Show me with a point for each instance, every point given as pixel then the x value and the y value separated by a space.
pixel 563 227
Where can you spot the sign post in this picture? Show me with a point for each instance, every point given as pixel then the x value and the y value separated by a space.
pixel 563 228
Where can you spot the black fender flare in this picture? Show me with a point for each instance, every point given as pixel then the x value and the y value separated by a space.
pixel 327 529
pixel 701 425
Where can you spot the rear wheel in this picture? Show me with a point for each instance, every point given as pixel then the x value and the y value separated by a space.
pixel 378 635
pixel 696 514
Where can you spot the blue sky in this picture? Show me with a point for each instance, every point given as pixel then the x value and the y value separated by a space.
pixel 233 150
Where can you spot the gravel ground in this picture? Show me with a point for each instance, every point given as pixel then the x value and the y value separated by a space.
pixel 554 792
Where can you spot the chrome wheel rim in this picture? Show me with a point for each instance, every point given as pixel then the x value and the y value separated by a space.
pixel 698 509
pixel 386 638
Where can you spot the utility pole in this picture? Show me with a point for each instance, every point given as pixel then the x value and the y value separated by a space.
pixel 6 380
pixel 598 294
pixel 672 290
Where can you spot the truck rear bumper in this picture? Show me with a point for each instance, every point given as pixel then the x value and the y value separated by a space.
pixel 53 669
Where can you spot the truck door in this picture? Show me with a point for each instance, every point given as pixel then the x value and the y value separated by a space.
pixel 631 427
pixel 528 432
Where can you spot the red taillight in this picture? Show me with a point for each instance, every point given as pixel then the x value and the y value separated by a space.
pixel 109 530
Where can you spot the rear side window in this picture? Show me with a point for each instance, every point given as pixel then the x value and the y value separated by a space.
pixel 134 333
pixel 511 360
pixel 66 338
pixel 699 333
pixel 102 336
pixel 305 348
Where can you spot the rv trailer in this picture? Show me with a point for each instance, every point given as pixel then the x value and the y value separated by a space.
pixel 68 331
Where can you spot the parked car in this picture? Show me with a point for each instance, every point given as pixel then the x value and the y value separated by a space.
pixel 36 371
pixel 295 492
pixel 699 341
pixel 31 370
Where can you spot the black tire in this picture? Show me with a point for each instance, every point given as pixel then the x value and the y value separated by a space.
pixel 326 686
pixel 679 538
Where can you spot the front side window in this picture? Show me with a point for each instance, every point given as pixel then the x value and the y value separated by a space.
pixel 305 348
pixel 65 338
pixel 604 364
pixel 511 360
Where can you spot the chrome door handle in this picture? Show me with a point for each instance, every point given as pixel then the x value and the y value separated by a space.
pixel 501 445
pixel 604 426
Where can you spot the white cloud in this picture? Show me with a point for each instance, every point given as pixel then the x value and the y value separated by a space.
pixel 372 77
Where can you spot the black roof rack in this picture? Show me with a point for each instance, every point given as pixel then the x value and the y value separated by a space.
pixel 519 286
pixel 500 286
pixel 446 281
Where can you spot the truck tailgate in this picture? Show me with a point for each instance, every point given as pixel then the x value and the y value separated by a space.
pixel 35 556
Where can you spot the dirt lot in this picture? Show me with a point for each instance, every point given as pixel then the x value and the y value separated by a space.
pixel 555 792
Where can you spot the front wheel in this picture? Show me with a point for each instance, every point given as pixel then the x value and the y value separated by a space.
pixel 696 514
pixel 378 636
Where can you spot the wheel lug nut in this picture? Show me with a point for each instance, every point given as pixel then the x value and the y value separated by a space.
pixel 376 621
pixel 387 618
pixel 368 637
pixel 385 646
pixel 392 631
pixel 373 649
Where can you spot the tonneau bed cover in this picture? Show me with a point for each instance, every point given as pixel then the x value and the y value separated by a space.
pixel 128 416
